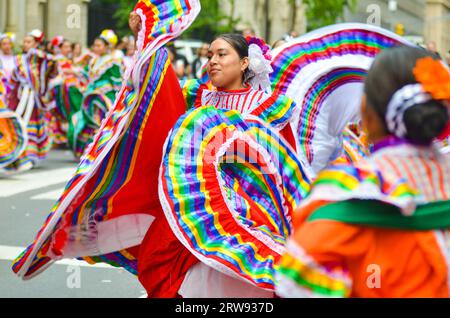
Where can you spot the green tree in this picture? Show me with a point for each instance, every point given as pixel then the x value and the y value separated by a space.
pixel 124 7
pixel 210 22
pixel 324 12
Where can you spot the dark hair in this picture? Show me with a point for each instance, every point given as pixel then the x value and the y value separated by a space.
pixel 103 40
pixel 65 41
pixel 172 49
pixel 240 45
pixel 237 41
pixel 392 70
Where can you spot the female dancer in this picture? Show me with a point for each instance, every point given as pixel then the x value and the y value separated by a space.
pixel 238 70
pixel 379 228
pixel 166 267
pixel 29 83
pixel 104 74
pixel 6 55
pixel 65 91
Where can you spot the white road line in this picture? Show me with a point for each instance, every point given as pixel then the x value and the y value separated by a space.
pixel 33 181
pixel 51 195
pixel 10 253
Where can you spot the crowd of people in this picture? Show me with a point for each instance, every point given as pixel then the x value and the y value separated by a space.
pixel 61 91
pixel 79 89
pixel 224 183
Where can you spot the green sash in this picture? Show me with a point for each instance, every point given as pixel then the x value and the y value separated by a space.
pixel 432 216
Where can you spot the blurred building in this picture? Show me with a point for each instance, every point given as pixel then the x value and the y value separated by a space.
pixel 437 24
pixel 420 21
pixel 55 17
pixel 270 19
pixel 403 16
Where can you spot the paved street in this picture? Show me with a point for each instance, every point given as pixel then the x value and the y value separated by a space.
pixel 25 201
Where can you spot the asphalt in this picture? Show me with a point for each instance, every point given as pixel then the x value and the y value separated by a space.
pixel 25 201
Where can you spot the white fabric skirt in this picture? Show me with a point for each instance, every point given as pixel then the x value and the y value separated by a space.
pixel 203 281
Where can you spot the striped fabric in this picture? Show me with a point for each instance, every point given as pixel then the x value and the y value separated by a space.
pixel 299 276
pixel 112 199
pixel 429 176
pixel 355 146
pixel 400 187
pixel 39 139
pixel 65 91
pixel 32 71
pixel 64 98
pixel 13 136
pixel 105 78
pixel 244 101
pixel 228 187
pixel 319 71
pixel 193 90
pixel 277 110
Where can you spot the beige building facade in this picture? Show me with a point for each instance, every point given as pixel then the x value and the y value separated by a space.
pixel 420 21
pixel 437 24
pixel 68 18
pixel 410 14
pixel 271 19
pixel 428 20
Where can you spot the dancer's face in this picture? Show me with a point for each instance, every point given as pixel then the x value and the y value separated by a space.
pixel 66 49
pixel 100 47
pixel 29 43
pixel 225 67
pixel 77 50
pixel 6 46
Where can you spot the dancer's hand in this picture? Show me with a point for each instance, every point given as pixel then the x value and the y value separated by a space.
pixel 135 23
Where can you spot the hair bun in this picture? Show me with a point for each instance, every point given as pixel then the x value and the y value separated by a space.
pixel 426 122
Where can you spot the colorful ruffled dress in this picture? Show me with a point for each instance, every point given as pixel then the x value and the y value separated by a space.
pixel 13 134
pixel 64 98
pixel 109 204
pixel 7 64
pixel 228 185
pixel 29 83
pixel 277 110
pixel 379 228
pixel 104 75
pixel 159 189
pixel 168 194
pixel 323 72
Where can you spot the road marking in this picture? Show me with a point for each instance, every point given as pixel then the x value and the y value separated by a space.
pixel 32 181
pixel 51 195
pixel 10 253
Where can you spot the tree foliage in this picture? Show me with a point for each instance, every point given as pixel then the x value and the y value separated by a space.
pixel 320 13
pixel 122 13
pixel 210 22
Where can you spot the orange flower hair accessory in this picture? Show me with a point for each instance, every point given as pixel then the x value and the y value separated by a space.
pixel 434 77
